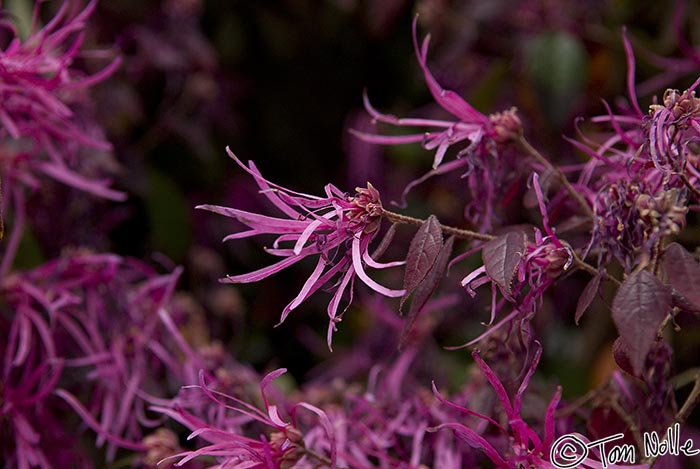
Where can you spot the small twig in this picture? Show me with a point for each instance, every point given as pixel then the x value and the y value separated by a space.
pixel 323 459
pixel 688 184
pixel 690 403
pixel 532 151
pixel 574 406
pixel 458 232
pixel 593 271
pixel 584 266
pixel 669 317
pixel 686 377
pixel 631 424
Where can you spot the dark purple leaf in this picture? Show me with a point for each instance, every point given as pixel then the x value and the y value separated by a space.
pixel 501 258
pixel 640 306
pixel 683 273
pixel 621 356
pixel 426 288
pixel 424 249
pixel 682 303
pixel 587 297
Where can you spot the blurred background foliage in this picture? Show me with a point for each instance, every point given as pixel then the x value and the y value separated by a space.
pixel 280 82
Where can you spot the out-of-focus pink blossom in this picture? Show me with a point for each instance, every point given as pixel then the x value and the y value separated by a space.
pixel 30 373
pixel 106 326
pixel 41 98
pixel 45 127
pixel 525 446
pixel 543 259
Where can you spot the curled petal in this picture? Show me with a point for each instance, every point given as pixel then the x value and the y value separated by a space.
pixel 359 269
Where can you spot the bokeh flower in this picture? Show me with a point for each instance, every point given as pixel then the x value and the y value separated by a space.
pixel 46 127
pixel 106 342
pixel 283 447
pixel 43 94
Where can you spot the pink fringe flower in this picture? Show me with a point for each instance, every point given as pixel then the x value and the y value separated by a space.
pixel 282 449
pixel 526 447
pixel 337 229
pixel 488 169
pixel 643 171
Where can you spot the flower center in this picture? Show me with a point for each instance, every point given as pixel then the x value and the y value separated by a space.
pixel 366 208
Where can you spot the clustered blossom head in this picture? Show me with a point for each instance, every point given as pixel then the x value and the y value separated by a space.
pixel 30 372
pixel 674 126
pixel 536 262
pixel 472 126
pixel 283 447
pixel 338 228
pixel 642 176
pixel 544 259
pixel 631 219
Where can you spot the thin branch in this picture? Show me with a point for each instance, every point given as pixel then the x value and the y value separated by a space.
pixel 575 405
pixel 689 185
pixel 319 457
pixel 631 424
pixel 458 232
pixel 532 151
pixel 686 377
pixel 690 403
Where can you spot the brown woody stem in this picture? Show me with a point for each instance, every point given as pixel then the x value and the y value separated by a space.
pixel 690 403
pixel 319 457
pixel 532 151
pixel 458 232
pixel 689 185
